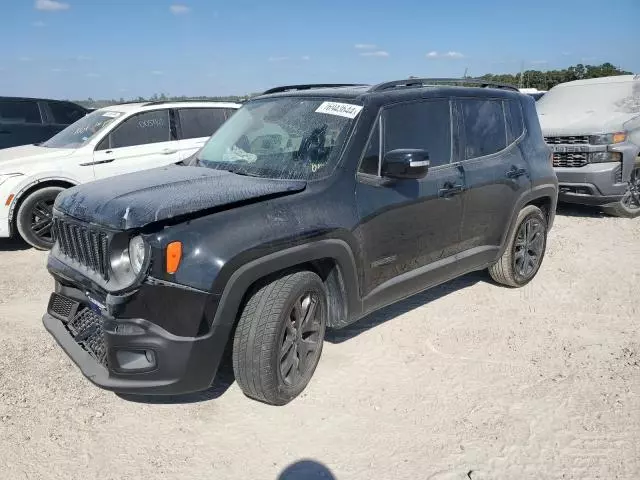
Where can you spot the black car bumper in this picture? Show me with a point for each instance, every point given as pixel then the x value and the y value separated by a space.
pixel 132 356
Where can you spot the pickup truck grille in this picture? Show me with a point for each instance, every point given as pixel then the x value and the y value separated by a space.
pixel 84 245
pixel 564 159
pixel 569 140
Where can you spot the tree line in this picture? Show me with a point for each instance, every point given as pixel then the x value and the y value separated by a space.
pixel 542 80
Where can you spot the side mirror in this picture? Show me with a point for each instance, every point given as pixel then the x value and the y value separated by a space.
pixel 405 163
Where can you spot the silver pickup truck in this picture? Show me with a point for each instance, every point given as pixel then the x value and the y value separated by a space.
pixel 593 128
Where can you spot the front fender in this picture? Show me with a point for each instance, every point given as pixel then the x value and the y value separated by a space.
pixel 238 282
pixel 28 182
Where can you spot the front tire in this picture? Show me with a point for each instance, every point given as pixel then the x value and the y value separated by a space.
pixel 629 205
pixel 278 340
pixel 525 250
pixel 35 216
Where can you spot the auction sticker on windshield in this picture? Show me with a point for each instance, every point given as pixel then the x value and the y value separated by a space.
pixel 339 109
pixel 111 114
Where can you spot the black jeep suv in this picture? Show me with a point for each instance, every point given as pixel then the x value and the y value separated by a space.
pixel 311 207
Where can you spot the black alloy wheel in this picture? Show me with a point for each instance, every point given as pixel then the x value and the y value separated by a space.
pixel 300 339
pixel 528 248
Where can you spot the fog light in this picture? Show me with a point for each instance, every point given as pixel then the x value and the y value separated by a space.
pixel 130 360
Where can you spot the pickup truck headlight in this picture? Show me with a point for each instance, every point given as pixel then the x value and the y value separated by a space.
pixel 128 260
pixel 608 138
pixel 603 157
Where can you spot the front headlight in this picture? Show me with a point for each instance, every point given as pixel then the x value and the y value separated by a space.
pixel 608 138
pixel 137 253
pixel 128 258
pixel 603 157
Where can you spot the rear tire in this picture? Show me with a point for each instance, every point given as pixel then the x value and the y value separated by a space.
pixel 278 340
pixel 629 205
pixel 35 215
pixel 525 250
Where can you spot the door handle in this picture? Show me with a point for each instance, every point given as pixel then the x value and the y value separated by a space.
pixel 515 172
pixel 97 162
pixel 5 131
pixel 169 151
pixel 449 190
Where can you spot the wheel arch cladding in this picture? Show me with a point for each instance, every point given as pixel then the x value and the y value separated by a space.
pixel 22 195
pixel 332 260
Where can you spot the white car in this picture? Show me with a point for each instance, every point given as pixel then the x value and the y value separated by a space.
pixel 110 141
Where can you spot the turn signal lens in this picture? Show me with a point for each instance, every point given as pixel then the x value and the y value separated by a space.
pixel 174 255
pixel 619 137
pixel 9 200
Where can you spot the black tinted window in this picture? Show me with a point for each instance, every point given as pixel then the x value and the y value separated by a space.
pixel 148 127
pixel 13 111
pixel 484 127
pixel 423 125
pixel 515 124
pixel 200 122
pixel 66 113
pixel 371 158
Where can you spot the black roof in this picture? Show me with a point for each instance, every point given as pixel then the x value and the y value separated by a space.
pixel 395 90
pixel 33 99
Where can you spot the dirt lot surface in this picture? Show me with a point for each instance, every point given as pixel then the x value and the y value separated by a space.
pixel 466 381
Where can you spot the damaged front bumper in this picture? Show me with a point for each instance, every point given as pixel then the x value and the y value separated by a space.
pixel 130 355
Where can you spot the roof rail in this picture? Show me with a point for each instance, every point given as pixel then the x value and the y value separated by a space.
pixel 430 82
pixel 309 86
pixel 185 100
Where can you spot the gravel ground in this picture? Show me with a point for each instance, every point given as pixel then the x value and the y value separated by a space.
pixel 465 381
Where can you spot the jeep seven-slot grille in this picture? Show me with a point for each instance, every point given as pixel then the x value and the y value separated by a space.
pixel 84 245
pixel 564 159
pixel 569 140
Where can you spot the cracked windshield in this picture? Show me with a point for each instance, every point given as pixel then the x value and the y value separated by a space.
pixel 288 138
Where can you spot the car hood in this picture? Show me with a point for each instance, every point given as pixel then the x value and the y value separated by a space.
pixel 142 198
pixel 19 158
pixel 582 122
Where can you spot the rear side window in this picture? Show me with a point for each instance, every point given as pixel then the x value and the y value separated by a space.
pixel 142 129
pixel 66 113
pixel 371 159
pixel 515 123
pixel 483 126
pixel 16 111
pixel 200 122
pixel 423 125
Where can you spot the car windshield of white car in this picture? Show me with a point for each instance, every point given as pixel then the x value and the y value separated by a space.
pixel 79 133
pixel 285 138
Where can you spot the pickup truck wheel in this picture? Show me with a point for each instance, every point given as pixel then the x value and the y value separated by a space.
pixel 525 250
pixel 278 340
pixel 629 205
pixel 35 216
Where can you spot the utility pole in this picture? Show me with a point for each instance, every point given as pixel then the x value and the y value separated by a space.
pixel 521 73
pixel 465 72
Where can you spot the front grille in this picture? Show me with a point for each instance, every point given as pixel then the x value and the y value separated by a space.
pixel 568 140
pixel 82 244
pixel 574 159
pixel 86 329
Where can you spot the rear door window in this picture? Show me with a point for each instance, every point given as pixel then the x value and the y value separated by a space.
pixel 422 125
pixel 200 122
pixel 19 111
pixel 483 127
pixel 66 113
pixel 142 129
